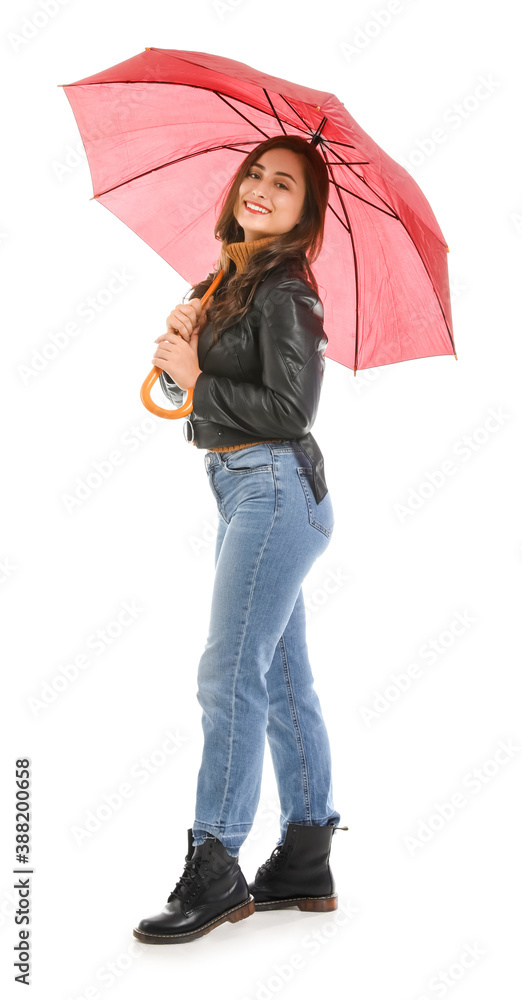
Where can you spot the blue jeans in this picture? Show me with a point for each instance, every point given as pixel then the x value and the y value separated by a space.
pixel 254 677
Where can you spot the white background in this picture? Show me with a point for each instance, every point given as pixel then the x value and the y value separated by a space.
pixel 387 585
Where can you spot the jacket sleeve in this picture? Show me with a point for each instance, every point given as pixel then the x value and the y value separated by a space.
pixel 291 348
pixel 171 389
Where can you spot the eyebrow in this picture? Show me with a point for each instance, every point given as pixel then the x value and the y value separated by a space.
pixel 279 172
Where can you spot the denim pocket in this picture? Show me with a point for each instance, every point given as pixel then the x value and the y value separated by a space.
pixel 247 460
pixel 321 514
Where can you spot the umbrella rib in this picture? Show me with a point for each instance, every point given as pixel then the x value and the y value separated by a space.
pixel 346 163
pixel 307 126
pixel 195 86
pixel 199 152
pixel 337 216
pixel 262 111
pixel 338 142
pixel 359 197
pixel 396 216
pixel 274 110
pixel 356 270
pixel 216 92
pixel 282 96
pixel 378 208
pixel 325 142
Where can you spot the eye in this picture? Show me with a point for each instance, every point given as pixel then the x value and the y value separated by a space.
pixel 253 173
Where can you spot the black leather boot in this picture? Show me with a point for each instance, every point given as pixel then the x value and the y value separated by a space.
pixel 211 891
pixel 297 872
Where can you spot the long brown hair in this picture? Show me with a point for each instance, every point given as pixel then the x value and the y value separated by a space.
pixel 299 247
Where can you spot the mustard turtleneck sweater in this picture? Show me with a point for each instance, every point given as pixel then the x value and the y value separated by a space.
pixel 240 253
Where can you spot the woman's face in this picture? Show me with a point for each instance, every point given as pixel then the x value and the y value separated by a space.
pixel 276 182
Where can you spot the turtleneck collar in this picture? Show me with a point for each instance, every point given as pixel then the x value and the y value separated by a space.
pixel 241 252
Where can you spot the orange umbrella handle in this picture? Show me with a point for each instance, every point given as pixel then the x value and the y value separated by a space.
pixel 186 407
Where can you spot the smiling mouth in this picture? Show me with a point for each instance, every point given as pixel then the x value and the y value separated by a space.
pixel 255 209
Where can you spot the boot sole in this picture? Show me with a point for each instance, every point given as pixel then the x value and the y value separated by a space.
pixel 317 904
pixel 236 913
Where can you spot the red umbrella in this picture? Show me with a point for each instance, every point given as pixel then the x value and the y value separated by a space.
pixel 165 130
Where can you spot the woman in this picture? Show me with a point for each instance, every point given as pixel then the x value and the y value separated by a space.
pixel 260 344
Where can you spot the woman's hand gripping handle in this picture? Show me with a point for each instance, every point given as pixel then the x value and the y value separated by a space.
pixel 177 348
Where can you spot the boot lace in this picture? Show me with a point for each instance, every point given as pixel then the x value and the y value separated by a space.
pixel 192 877
pixel 275 862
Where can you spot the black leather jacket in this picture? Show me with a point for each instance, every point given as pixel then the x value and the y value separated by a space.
pixel 263 377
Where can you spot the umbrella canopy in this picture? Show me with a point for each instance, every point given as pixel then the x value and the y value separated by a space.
pixel 165 131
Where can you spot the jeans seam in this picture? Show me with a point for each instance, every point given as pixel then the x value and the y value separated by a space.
pixel 233 715
pixel 297 730
pixel 200 824
pixel 220 500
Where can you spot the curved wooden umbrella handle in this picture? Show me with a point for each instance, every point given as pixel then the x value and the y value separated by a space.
pixel 186 407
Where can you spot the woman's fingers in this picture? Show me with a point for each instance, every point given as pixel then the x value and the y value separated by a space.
pixel 187 318
pixel 184 328
pixel 184 318
pixel 170 336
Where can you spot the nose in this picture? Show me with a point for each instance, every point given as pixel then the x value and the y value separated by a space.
pixel 258 192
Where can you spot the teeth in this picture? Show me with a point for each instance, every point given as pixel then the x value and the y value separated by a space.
pixel 264 211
